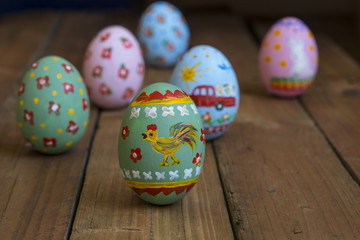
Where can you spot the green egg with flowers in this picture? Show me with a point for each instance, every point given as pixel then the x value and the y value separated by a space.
pixel 52 105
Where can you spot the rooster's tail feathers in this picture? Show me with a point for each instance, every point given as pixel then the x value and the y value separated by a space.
pixel 186 133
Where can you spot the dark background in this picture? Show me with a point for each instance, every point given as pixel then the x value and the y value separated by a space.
pixel 244 7
pixel 340 19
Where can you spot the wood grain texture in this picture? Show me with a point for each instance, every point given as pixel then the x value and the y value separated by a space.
pixel 281 178
pixel 109 209
pixel 38 192
pixel 333 104
pixel 18 52
pixel 333 101
pixel 21 39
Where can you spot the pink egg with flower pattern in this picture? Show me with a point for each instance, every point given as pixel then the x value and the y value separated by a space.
pixel 288 58
pixel 113 67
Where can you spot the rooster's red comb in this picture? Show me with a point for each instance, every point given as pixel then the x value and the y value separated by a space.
pixel 152 127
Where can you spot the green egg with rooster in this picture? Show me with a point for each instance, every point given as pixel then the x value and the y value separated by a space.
pixel 161 145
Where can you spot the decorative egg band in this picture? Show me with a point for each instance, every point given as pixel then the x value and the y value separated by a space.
pixel 216 129
pixel 284 80
pixel 144 185
pixel 157 98
pixel 289 85
pixel 164 190
pixel 166 111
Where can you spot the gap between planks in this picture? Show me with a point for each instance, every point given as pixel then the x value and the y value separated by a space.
pixel 82 176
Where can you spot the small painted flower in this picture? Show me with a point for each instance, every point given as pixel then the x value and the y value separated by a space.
pixel 169 46
pixel 202 136
pixel 21 89
pixel 160 18
pixel 106 53
pixel 178 32
pixel 129 93
pixel 225 117
pixel 54 107
pixel 67 68
pixel 197 159
pixel 140 68
pixel 148 32
pixel 125 132
pixel 34 65
pixel 72 127
pixel 104 37
pixel 29 117
pixel 85 104
pixel 135 155
pixel 42 81
pixel 68 87
pixel 105 90
pixel 97 71
pixel 123 72
pixel 206 117
pixel 49 142
pixel 126 42
pixel 160 59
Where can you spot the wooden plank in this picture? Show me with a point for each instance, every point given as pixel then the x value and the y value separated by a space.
pixel 332 99
pixel 19 43
pixel 18 50
pixel 333 104
pixel 39 192
pixel 281 178
pixel 109 209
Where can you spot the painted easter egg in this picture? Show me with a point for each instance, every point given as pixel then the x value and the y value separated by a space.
pixel 288 58
pixel 207 76
pixel 113 67
pixel 161 145
pixel 52 105
pixel 163 33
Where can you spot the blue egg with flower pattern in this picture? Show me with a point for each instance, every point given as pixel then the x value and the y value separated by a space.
pixel 163 34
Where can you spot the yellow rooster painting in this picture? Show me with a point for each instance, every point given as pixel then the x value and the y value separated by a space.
pixel 180 133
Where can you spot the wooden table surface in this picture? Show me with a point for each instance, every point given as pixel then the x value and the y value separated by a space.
pixel 287 169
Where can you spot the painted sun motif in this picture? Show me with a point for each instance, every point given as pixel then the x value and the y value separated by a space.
pixel 188 74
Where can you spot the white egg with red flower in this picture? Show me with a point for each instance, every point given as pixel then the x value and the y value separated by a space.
pixel 113 67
